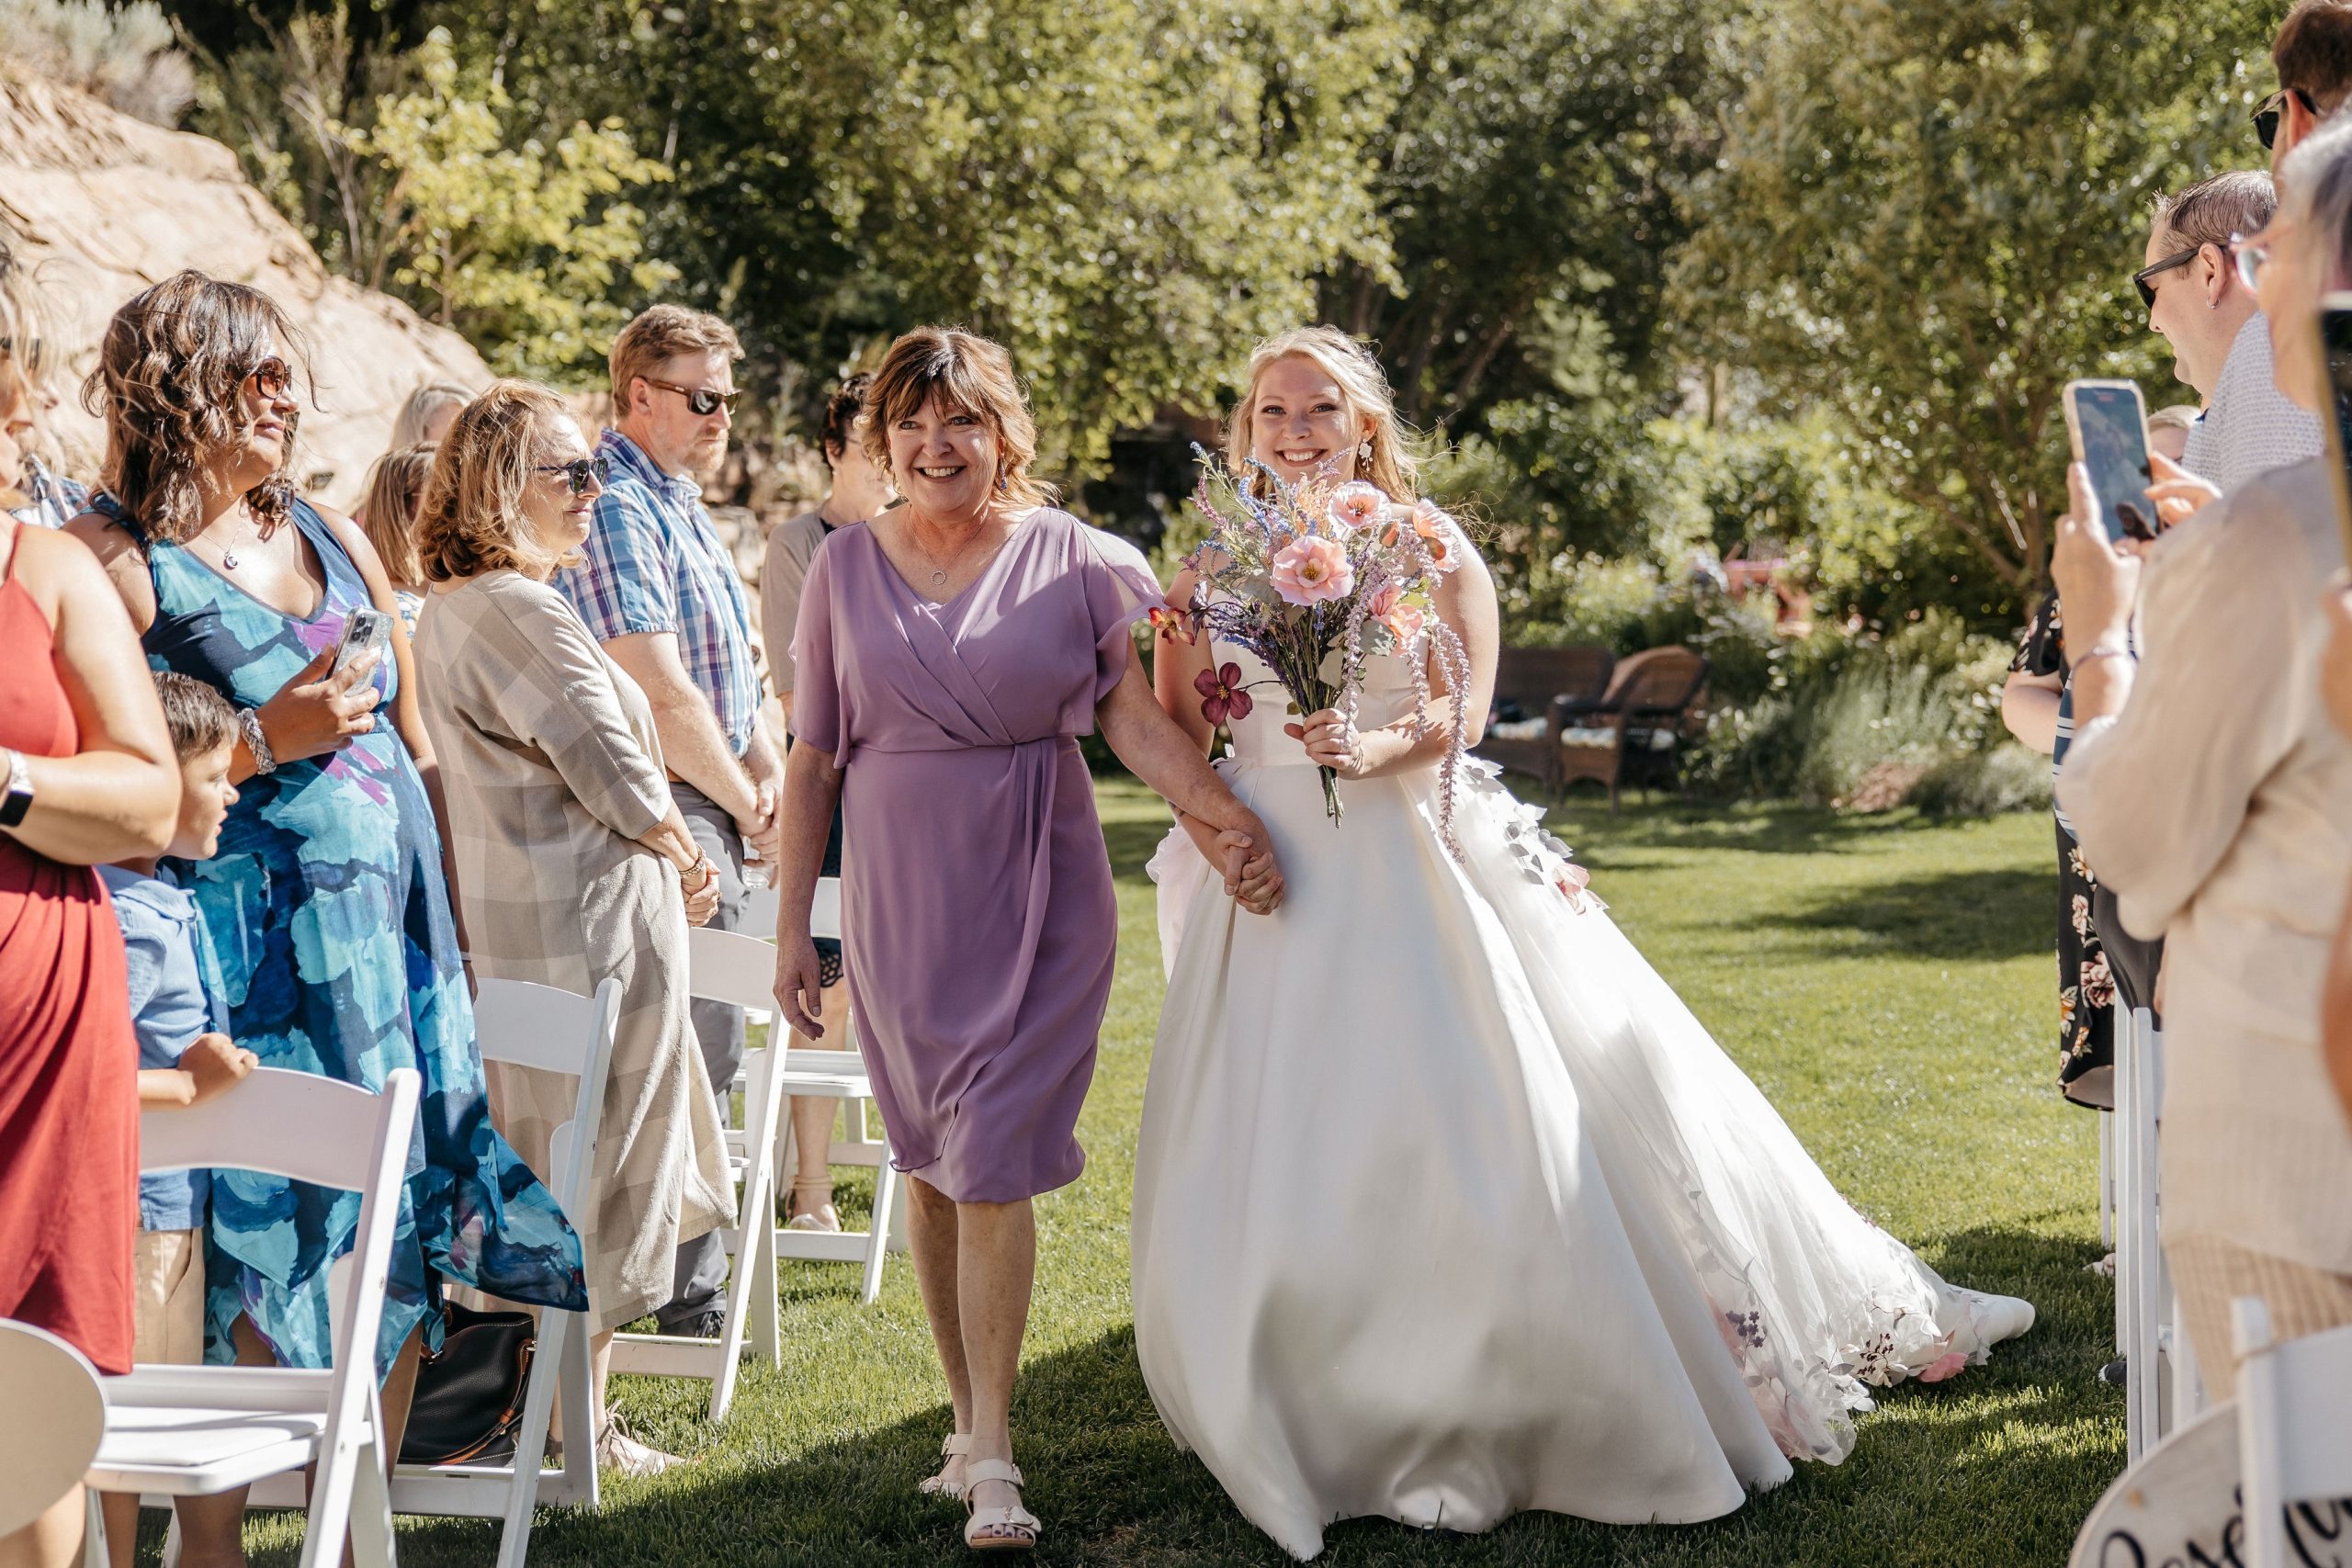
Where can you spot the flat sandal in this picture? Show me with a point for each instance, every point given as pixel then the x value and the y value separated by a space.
pixel 958 1445
pixel 1015 1518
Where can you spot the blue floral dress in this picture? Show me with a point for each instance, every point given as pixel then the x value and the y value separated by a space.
pixel 328 908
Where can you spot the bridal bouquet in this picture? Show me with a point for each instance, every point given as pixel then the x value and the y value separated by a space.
pixel 1314 579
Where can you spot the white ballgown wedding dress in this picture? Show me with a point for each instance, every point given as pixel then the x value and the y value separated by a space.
pixel 1446 1207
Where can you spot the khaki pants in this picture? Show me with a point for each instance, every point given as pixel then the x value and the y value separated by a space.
pixel 167 1287
pixel 2210 1273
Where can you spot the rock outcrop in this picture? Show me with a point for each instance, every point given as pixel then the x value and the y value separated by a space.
pixel 107 205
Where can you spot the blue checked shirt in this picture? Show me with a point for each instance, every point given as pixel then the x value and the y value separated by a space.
pixel 653 563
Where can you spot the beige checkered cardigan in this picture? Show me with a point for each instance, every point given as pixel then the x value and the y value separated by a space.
pixel 549 759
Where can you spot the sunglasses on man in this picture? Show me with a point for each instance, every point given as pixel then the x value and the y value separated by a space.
pixel 2266 116
pixel 580 473
pixel 2144 279
pixel 703 400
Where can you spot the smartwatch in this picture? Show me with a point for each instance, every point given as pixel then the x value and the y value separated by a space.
pixel 18 797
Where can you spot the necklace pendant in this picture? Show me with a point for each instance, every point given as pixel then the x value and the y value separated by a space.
pixel 228 561
pixel 938 577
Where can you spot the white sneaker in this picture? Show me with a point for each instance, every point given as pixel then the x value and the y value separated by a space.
pixel 618 1451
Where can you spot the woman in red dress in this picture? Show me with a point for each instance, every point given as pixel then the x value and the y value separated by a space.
pixel 86 776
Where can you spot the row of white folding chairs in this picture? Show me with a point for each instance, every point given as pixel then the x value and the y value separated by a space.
pixel 2161 1390
pixel 181 1431
pixel 739 969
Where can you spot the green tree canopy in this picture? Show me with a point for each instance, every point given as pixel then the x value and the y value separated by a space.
pixel 1926 214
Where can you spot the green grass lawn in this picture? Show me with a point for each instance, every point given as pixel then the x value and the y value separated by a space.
pixel 1888 983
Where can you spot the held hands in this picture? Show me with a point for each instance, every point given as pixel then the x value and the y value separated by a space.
pixel 799 979
pixel 763 829
pixel 1330 740
pixel 320 711
pixel 1251 878
pixel 701 896
pixel 2098 580
pixel 215 1062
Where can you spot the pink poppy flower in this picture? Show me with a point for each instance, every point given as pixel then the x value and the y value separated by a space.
pixel 1221 693
pixel 1438 536
pixel 1356 505
pixel 1943 1367
pixel 1406 621
pixel 1376 608
pixel 1312 569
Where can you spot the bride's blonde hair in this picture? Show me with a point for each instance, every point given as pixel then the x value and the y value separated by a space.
pixel 1364 388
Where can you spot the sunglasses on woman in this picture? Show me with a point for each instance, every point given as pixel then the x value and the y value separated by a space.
pixel 2266 117
pixel 580 473
pixel 270 378
pixel 703 400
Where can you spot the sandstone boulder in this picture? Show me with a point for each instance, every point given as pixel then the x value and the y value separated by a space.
pixel 108 205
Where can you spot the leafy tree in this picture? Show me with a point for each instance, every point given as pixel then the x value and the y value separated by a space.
pixel 1924 215
pixel 515 241
pixel 1126 193
pixel 430 187
pixel 1530 177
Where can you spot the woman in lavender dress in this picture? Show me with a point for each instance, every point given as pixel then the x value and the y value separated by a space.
pixel 950 653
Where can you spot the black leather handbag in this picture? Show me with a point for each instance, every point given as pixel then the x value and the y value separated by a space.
pixel 469 1393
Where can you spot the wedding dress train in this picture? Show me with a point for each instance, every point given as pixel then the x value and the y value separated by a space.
pixel 1446 1207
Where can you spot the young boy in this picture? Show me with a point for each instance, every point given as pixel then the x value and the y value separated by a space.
pixel 178 1012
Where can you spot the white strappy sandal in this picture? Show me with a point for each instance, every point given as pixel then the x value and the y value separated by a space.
pixel 958 1445
pixel 1017 1527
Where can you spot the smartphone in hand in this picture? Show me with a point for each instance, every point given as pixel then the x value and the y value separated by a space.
pixel 369 630
pixel 2107 423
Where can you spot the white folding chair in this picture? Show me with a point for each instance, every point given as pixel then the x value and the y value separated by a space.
pixel 2294 1427
pixel 2162 1391
pixel 750 1295
pixel 732 967
pixel 189 1431
pixel 760 910
pixel 860 1143
pixel 558 1032
pixel 57 1414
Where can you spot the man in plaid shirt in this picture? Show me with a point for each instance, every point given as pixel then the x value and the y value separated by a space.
pixel 659 591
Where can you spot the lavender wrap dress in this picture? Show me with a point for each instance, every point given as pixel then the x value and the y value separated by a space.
pixel 975 888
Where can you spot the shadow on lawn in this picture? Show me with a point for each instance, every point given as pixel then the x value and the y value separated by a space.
pixel 1992 913
pixel 1109 1482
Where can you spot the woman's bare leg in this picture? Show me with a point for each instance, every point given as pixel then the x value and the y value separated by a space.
pixel 933 1226
pixel 996 1265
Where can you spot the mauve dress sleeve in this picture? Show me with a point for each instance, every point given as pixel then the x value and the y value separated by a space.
pixel 1119 590
pixel 818 717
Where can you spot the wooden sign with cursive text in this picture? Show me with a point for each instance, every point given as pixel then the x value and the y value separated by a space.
pixel 2178 1508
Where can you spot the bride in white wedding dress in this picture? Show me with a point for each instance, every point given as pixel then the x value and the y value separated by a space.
pixel 1446 1207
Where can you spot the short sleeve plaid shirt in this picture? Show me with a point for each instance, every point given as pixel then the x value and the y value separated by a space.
pixel 654 563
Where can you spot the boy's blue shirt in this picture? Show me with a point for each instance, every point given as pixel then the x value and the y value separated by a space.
pixel 176 993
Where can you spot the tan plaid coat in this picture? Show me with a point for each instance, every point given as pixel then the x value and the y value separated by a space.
pixel 549 759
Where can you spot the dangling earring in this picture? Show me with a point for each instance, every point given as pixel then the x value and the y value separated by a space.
pixel 1363 454
pixel 1000 485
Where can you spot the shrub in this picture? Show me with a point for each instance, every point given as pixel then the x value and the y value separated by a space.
pixel 126 56
pixel 2006 777
pixel 1840 709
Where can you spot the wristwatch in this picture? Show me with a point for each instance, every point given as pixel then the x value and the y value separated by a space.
pixel 249 726
pixel 19 796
